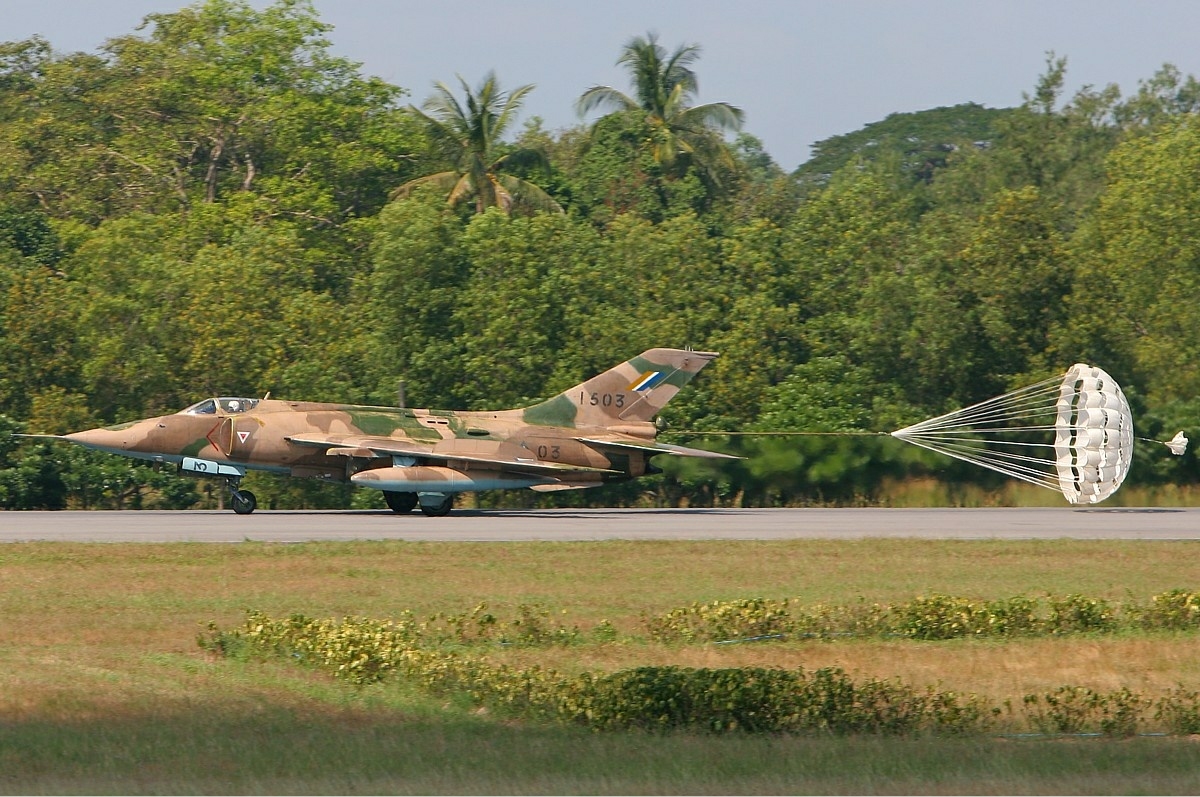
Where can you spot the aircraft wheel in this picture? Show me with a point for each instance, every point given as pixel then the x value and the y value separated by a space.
pixel 244 502
pixel 400 502
pixel 438 510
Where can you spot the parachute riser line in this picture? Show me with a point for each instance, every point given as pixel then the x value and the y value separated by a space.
pixel 998 407
pixel 778 434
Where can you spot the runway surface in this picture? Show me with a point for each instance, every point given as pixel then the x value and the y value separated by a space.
pixel 1092 523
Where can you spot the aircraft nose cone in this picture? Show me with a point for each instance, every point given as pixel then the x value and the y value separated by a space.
pixel 102 439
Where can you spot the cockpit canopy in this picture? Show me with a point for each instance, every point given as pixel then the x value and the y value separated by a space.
pixel 227 405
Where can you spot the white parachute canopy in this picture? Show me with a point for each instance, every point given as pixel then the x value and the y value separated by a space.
pixel 1073 434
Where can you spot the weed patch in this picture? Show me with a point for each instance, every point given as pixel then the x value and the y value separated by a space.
pixel 932 617
pixel 750 699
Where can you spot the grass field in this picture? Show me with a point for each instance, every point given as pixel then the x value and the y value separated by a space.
pixel 104 689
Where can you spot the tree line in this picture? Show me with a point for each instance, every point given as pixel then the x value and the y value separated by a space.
pixel 217 205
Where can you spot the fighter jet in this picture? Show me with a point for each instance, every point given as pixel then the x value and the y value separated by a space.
pixel 597 432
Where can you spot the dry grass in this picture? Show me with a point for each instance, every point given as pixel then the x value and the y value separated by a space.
pixel 82 619
pixel 101 680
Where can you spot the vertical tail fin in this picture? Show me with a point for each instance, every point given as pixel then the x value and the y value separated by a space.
pixel 633 391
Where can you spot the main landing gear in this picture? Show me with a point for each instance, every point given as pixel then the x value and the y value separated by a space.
pixel 242 501
pixel 438 509
pixel 400 503
pixel 431 506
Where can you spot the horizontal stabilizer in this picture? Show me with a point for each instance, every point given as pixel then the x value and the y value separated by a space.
pixel 557 487
pixel 655 447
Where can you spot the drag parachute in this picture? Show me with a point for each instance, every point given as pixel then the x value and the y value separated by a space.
pixel 1073 434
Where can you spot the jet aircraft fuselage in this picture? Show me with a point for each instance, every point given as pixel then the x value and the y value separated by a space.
pixel 599 431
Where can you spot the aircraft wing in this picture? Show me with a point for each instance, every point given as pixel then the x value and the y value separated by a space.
pixel 652 446
pixel 367 445
pixel 380 446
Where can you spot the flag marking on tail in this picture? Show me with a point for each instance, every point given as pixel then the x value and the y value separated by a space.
pixel 647 381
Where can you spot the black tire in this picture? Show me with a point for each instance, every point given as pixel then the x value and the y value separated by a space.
pixel 400 502
pixel 438 510
pixel 244 502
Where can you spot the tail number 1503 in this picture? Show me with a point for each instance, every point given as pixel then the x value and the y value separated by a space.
pixel 602 399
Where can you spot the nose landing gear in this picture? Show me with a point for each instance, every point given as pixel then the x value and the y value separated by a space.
pixel 242 501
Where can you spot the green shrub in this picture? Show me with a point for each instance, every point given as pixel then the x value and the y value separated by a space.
pixel 1179 711
pixel 1077 709
pixel 758 699
pixel 1176 610
pixel 937 617
pixel 722 620
pixel 1121 713
pixel 533 627
pixel 1009 617
pixel 934 617
pixel 1076 613
pixel 1065 710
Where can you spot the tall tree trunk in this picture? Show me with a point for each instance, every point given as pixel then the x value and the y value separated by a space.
pixel 210 179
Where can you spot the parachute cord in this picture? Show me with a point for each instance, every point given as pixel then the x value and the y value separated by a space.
pixel 686 433
pixel 1177 444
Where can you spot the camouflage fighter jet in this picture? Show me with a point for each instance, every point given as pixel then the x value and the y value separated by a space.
pixel 597 432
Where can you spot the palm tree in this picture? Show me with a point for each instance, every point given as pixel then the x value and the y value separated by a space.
pixel 663 87
pixel 469 138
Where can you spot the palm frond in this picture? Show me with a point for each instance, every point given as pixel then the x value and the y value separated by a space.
pixel 526 194
pixel 677 71
pixel 468 135
pixel 602 96
pixel 444 107
pixel 512 104
pixel 442 181
pixel 524 158
pixel 463 188
pixel 719 115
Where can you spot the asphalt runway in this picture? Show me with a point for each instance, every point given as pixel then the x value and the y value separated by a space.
pixel 1092 523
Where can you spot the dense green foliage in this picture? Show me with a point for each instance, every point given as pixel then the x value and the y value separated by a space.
pixel 924 142
pixel 210 206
